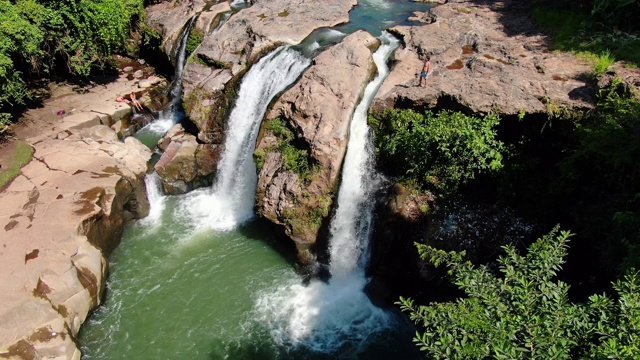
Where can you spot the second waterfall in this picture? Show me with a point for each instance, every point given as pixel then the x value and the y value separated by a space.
pixel 337 317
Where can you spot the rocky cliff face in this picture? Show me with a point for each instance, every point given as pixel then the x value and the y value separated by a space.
pixel 486 57
pixel 318 110
pixel 61 217
pixel 211 79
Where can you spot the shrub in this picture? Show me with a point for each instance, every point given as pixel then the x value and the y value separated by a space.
pixel 294 159
pixel 603 62
pixel 524 313
pixel 442 150
pixel 58 38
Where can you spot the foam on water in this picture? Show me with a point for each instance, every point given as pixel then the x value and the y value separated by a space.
pixel 330 317
pixel 321 317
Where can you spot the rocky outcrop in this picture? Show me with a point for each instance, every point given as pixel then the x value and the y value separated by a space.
pixel 318 110
pixel 486 57
pixel 168 18
pixel 61 216
pixel 211 80
pixel 185 164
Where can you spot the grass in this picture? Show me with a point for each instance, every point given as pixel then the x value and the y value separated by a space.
pixel 578 33
pixel 603 62
pixel 21 156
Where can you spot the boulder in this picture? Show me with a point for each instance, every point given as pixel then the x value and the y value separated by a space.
pixel 168 18
pixel 486 57
pixel 318 109
pixel 61 217
pixel 184 164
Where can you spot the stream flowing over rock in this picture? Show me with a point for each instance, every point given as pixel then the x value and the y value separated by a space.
pixel 486 57
pixel 318 109
pixel 62 215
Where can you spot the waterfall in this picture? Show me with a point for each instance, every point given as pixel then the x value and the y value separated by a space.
pixel 173 113
pixel 156 199
pixel 229 202
pixel 338 317
pixel 181 52
pixel 351 224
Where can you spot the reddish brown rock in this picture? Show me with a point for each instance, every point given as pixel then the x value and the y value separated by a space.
pixel 486 57
pixel 318 108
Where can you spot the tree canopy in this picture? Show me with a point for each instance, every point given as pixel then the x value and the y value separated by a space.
pixel 521 311
pixel 48 37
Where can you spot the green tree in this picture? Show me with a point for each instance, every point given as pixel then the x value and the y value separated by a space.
pixel 58 37
pixel 524 313
pixel 442 150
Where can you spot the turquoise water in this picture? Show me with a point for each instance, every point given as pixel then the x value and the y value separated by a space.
pixel 178 289
pixel 175 294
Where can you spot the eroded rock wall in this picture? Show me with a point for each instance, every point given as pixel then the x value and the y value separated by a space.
pixel 61 216
pixel 318 109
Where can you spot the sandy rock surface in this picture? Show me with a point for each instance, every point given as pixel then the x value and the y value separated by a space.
pixel 63 214
pixel 486 57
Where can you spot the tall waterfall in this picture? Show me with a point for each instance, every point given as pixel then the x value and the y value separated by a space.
pixel 230 201
pixel 351 224
pixel 338 317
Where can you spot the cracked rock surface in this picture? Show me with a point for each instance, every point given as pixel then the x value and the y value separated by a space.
pixel 59 220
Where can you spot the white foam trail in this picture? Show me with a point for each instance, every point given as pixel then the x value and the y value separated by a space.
pixel 156 200
pixel 378 3
pixel 312 47
pixel 350 227
pixel 332 34
pixel 229 202
pixel 161 125
pixel 321 317
pixel 330 318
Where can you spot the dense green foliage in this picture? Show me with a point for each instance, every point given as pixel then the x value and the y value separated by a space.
pixel 603 168
pixel 593 28
pixel 524 313
pixel 441 150
pixel 294 159
pixel 193 40
pixel 58 37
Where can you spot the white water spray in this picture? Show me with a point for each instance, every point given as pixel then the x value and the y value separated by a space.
pixel 173 113
pixel 229 202
pixel 156 200
pixel 351 224
pixel 338 317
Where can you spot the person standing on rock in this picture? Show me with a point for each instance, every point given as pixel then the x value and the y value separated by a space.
pixel 424 74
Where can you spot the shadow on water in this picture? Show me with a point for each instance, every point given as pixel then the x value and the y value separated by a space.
pixel 261 230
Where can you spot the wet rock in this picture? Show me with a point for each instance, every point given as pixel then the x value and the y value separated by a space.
pixel 185 164
pixel 240 42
